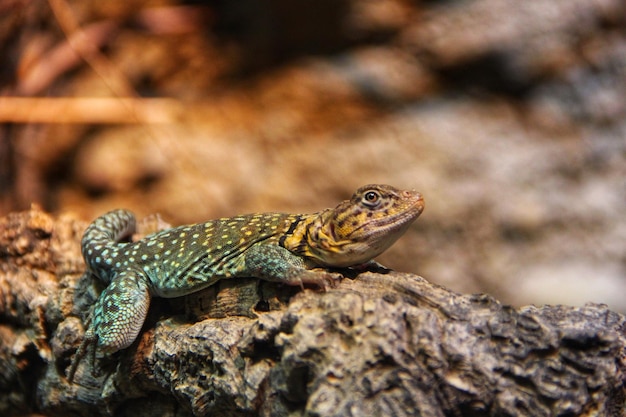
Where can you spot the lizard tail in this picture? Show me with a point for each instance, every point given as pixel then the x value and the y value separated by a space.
pixel 102 236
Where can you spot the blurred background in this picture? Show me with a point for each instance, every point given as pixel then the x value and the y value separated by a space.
pixel 509 116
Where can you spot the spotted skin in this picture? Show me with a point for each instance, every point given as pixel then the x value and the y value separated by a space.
pixel 271 246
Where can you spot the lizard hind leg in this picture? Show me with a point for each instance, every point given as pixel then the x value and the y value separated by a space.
pixel 120 311
pixel 117 317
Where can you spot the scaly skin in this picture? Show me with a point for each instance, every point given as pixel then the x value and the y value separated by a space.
pixel 271 246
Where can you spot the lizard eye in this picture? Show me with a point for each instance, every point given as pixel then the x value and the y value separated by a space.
pixel 371 198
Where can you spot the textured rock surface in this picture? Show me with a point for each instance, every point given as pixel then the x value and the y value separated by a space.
pixel 377 344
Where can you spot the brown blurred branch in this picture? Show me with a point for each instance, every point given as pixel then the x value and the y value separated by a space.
pixel 88 51
pixel 89 110
pixel 38 72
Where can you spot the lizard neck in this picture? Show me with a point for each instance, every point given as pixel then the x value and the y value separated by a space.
pixel 314 237
pixel 309 233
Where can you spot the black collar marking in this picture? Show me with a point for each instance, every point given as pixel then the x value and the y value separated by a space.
pixel 290 231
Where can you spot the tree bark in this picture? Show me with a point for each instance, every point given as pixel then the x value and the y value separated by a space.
pixel 379 344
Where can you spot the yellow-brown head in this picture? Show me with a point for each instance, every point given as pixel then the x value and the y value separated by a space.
pixel 359 229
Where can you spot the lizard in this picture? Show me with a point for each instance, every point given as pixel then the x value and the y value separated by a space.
pixel 279 247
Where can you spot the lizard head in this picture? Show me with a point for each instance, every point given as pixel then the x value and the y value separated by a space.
pixel 359 229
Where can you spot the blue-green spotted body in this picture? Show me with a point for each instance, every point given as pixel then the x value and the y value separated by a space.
pixel 184 259
pixel 271 246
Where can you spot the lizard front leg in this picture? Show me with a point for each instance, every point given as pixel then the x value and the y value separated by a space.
pixel 275 263
pixel 117 317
